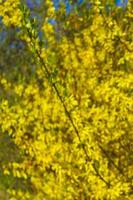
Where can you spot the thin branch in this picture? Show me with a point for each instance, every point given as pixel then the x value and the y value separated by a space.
pixel 53 85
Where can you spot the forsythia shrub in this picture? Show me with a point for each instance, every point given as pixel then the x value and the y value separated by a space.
pixel 69 126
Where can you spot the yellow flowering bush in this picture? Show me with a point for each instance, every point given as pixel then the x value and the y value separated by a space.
pixel 11 13
pixel 69 122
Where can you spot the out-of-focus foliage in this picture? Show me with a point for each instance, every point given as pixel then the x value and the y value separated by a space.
pixel 89 56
